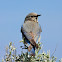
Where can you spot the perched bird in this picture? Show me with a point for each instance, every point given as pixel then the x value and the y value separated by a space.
pixel 31 31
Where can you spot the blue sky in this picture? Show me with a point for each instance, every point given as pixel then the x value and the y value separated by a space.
pixel 12 15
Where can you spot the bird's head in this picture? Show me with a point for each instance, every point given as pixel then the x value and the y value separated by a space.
pixel 32 17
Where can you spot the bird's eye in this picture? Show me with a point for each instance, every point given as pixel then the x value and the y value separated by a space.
pixel 32 16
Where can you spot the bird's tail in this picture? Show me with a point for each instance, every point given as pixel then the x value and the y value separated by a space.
pixel 31 50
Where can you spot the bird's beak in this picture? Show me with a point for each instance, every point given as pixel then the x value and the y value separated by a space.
pixel 38 15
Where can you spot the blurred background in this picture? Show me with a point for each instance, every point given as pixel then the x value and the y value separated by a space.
pixel 13 13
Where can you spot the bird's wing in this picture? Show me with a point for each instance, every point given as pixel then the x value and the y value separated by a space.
pixel 31 31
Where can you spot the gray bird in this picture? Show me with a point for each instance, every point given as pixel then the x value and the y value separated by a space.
pixel 31 31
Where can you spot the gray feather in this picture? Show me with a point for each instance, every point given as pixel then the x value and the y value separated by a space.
pixel 31 26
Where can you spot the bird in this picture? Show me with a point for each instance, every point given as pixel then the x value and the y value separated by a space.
pixel 31 31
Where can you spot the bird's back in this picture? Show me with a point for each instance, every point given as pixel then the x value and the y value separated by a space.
pixel 31 26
